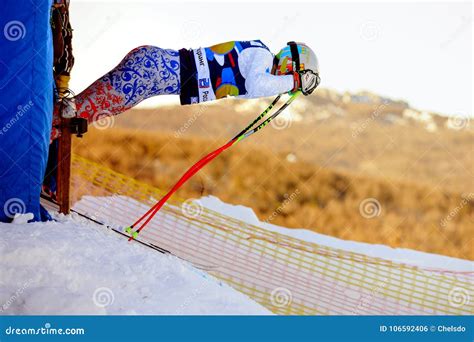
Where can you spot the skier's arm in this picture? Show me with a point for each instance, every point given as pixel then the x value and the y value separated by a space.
pixel 255 66
pixel 266 84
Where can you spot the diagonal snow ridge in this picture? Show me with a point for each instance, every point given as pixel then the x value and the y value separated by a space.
pixel 401 255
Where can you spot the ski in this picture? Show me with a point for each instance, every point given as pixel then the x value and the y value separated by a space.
pixel 54 206
pixel 149 245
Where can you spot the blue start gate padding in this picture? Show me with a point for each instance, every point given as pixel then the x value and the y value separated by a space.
pixel 26 101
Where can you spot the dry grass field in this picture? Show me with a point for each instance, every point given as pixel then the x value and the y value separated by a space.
pixel 367 140
pixel 421 183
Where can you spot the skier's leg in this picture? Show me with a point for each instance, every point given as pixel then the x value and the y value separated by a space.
pixel 145 72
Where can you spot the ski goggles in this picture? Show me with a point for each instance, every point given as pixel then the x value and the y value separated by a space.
pixel 309 81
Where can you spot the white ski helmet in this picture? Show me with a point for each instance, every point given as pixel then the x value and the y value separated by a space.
pixel 298 57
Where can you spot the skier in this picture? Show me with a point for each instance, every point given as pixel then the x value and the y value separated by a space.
pixel 246 69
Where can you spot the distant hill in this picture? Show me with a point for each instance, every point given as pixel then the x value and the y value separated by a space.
pixel 363 134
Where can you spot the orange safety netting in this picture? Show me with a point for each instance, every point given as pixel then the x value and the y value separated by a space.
pixel 286 275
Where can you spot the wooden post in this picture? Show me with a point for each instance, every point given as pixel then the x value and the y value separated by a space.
pixel 64 167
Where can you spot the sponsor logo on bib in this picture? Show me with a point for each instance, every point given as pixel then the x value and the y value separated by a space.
pixel 204 83
pixel 206 93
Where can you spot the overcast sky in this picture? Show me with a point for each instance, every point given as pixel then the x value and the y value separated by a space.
pixel 419 52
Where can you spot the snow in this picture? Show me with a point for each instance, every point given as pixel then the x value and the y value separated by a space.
pixel 422 117
pixel 75 267
pixel 402 255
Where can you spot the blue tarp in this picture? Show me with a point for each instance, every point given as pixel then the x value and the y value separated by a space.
pixel 26 100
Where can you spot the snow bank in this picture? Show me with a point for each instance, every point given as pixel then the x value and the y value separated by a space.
pixel 402 255
pixel 74 267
